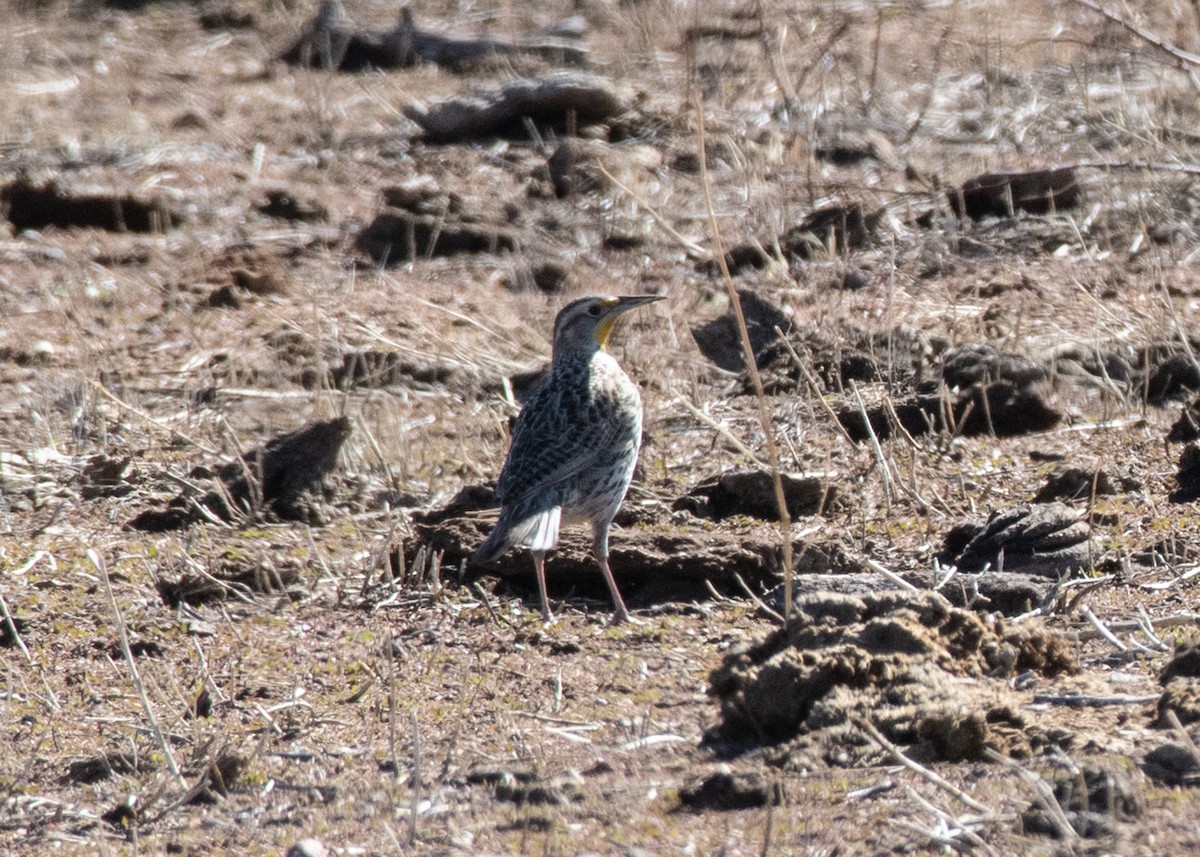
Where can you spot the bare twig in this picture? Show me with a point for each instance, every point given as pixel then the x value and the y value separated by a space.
pixel 814 387
pixel 12 630
pixel 953 826
pixel 1043 793
pixel 487 603
pixel 937 780
pixel 1182 735
pixel 1179 620
pixel 1185 61
pixel 722 430
pixel 758 601
pixel 785 522
pixel 687 243
pixel 885 476
pixel 416 780
pixel 389 652
pixel 1086 613
pixel 1075 700
pixel 891 575
pixel 99 388
pixel 123 637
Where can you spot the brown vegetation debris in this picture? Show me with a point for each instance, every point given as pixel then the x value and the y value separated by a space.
pixel 578 166
pixel 239 577
pixel 372 369
pixel 95 769
pixel 1092 801
pixel 1175 376
pixel 289 204
pixel 838 358
pixel 1181 696
pixel 719 340
pixel 832 230
pixel 560 100
pixel 982 363
pixel 908 661
pixel 1184 661
pixel 1187 427
pixel 1000 409
pixel 1173 764
pixel 1050 539
pixel 395 237
pixel 331 41
pixel 538 791
pixel 652 563
pixel 107 476
pixel 1080 483
pixel 222 16
pixel 1007 593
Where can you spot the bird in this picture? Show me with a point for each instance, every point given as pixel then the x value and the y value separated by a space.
pixel 574 445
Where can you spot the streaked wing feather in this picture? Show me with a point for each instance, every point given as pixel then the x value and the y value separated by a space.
pixel 553 440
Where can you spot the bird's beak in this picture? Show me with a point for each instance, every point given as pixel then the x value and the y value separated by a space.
pixel 619 307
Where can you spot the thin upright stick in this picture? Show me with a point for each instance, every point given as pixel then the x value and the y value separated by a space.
pixel 123 637
pixel 785 521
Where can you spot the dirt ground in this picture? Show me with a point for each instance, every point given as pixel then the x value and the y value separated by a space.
pixel 206 246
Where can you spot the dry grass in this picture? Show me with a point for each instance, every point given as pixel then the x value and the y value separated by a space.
pixel 315 680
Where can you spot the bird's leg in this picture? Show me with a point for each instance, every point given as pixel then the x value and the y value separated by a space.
pixel 539 564
pixel 600 550
pixel 620 614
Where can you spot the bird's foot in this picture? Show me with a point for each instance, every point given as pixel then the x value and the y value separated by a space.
pixel 624 617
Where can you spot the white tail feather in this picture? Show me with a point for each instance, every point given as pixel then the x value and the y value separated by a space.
pixel 540 533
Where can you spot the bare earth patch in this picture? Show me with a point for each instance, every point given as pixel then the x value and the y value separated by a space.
pixel 274 282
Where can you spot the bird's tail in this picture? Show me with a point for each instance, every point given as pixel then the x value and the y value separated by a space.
pixel 538 532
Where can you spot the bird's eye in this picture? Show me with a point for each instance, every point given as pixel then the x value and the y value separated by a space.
pixel 595 310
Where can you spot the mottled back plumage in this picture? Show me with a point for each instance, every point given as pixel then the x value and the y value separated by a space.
pixel 575 443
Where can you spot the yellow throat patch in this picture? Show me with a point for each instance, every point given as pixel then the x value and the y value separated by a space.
pixel 606 325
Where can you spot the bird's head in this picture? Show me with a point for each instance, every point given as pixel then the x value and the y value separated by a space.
pixel 584 325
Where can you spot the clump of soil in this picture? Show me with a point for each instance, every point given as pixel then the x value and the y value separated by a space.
pixel 1047 539
pixel 1092 801
pixel 277 476
pixel 930 676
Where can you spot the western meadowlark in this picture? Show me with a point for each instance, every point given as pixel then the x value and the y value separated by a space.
pixel 574 446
